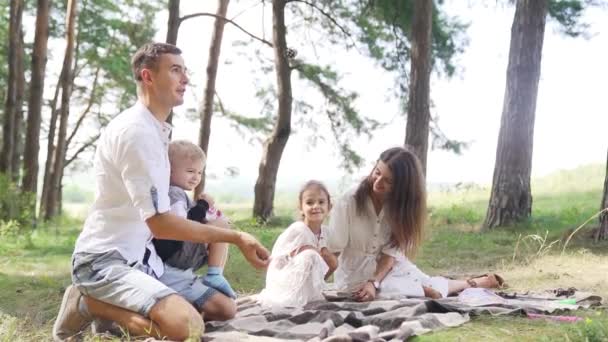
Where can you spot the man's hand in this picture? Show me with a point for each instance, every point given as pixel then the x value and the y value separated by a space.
pixel 365 293
pixel 256 254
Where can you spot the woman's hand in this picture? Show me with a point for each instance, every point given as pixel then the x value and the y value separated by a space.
pixel 365 293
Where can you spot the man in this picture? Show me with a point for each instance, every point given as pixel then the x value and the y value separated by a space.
pixel 116 272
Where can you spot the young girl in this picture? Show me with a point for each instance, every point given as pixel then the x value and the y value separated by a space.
pixel 300 261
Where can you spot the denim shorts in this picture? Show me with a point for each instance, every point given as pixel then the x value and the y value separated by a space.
pixel 109 278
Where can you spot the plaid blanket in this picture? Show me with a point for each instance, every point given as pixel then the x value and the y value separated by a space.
pixel 338 319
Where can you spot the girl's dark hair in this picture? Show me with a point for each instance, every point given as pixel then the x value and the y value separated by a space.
pixel 405 204
pixel 311 184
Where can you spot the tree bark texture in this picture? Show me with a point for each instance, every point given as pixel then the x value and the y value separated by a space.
pixel 173 22
pixel 11 105
pixel 50 148
pixel 18 131
pixel 54 196
pixel 273 147
pixel 602 231
pixel 206 110
pixel 511 198
pixel 39 59
pixel 418 112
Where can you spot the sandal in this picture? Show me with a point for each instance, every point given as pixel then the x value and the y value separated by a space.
pixel 494 281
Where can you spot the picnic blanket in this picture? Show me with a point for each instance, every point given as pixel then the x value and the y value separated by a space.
pixel 394 319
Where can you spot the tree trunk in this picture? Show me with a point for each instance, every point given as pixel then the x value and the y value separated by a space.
pixel 39 58
pixel 11 105
pixel 172 31
pixel 18 132
pixel 418 113
pixel 275 144
pixel 173 23
pixel 54 190
pixel 50 149
pixel 511 198
pixel 206 111
pixel 602 231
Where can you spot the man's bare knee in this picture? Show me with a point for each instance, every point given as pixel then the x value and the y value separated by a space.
pixel 177 318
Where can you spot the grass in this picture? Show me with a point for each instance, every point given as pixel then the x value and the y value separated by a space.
pixel 35 271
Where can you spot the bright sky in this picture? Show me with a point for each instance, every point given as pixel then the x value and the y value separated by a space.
pixel 571 118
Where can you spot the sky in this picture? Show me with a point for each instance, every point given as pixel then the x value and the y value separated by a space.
pixel 571 118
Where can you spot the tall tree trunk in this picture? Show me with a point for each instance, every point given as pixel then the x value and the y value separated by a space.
pixel 11 105
pixel 602 231
pixel 18 132
pixel 418 113
pixel 511 198
pixel 39 58
pixel 275 144
pixel 206 110
pixel 173 22
pixel 50 149
pixel 54 196
pixel 172 32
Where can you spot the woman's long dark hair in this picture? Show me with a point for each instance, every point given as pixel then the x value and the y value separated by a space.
pixel 405 204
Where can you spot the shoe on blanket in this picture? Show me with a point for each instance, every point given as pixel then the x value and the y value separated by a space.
pixel 488 281
pixel 70 321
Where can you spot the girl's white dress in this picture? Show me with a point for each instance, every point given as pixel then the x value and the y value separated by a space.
pixel 297 280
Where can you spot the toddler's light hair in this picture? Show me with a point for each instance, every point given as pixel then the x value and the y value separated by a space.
pixel 185 150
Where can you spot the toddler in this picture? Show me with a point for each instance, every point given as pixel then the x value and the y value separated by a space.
pixel 187 163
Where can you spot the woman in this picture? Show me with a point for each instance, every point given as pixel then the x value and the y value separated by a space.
pixel 378 224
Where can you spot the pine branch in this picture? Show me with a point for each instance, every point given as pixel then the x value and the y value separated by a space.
pixel 81 149
pixel 87 110
pixel 325 14
pixel 204 14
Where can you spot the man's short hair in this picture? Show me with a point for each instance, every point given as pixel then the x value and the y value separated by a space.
pixel 185 150
pixel 147 57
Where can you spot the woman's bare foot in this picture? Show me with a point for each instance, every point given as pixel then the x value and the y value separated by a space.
pixel 488 281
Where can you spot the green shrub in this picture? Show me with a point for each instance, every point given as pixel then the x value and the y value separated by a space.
pixel 9 229
pixel 15 204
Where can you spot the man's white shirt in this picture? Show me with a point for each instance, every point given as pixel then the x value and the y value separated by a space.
pixel 132 171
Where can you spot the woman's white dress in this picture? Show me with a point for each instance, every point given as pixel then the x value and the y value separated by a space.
pixel 361 239
pixel 297 280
